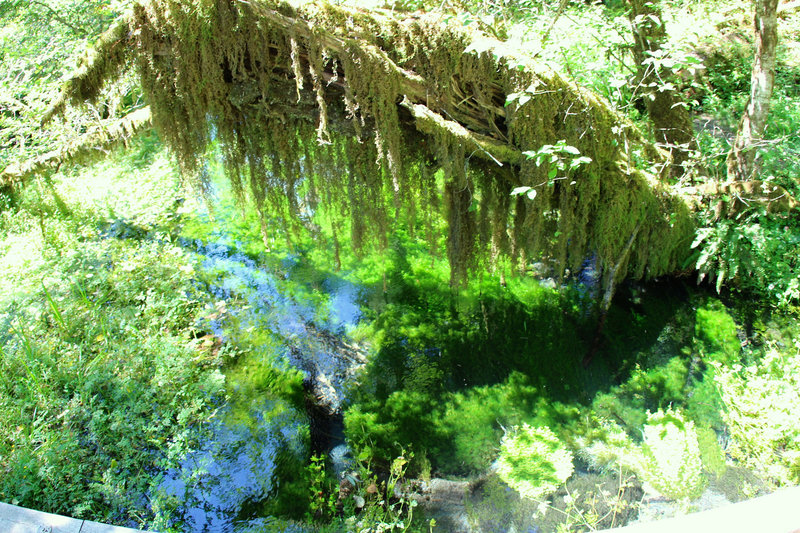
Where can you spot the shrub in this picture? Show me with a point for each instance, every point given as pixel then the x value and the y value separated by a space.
pixel 672 456
pixel 533 461
pixel 761 412
pixel 606 447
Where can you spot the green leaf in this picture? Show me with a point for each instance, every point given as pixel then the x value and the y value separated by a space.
pixel 511 98
pixel 571 150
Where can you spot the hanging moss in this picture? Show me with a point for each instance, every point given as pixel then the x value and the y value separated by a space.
pixel 91 146
pixel 356 111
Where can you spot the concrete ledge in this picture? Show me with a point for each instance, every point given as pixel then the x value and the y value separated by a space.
pixel 778 512
pixel 15 519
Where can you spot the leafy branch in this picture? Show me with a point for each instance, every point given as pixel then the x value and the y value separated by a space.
pixel 561 157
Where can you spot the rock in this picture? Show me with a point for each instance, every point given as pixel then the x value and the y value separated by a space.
pixel 548 283
pixel 444 501
pixel 341 460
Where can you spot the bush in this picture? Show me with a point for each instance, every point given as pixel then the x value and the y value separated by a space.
pixel 761 412
pixel 606 447
pixel 672 456
pixel 533 461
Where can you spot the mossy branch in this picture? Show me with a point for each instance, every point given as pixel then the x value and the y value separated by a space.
pixel 256 76
pixel 104 63
pixel 428 122
pixel 91 146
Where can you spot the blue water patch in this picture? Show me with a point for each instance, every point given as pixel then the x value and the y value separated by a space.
pixel 287 324
pixel 235 466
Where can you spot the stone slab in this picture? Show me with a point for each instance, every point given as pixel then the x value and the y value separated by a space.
pixel 95 527
pixel 15 519
pixel 778 512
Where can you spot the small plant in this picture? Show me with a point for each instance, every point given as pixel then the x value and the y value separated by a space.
pixel 672 456
pixel 382 506
pixel 322 504
pixel 761 413
pixel 598 508
pixel 560 157
pixel 533 461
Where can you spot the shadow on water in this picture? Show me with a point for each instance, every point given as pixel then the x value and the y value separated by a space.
pixel 449 354
pixel 286 385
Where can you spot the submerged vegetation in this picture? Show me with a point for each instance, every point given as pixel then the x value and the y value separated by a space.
pixel 394 272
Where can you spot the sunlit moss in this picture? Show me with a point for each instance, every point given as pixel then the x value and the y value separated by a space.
pixel 304 104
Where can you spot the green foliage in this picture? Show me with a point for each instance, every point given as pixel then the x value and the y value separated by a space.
pixel 458 430
pixel 533 461
pixel 105 378
pixel 711 453
pixel 728 73
pixel 715 333
pixel 39 42
pixel 672 455
pixel 556 157
pixel 704 403
pixel 646 390
pixel 605 446
pixel 756 253
pixel 385 507
pixel 322 496
pixel 102 380
pixel 761 413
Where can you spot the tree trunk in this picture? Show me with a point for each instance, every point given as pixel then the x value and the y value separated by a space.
pixel 610 275
pixel 667 109
pixel 741 158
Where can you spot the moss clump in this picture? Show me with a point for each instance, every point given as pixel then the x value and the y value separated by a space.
pixel 715 332
pixel 305 104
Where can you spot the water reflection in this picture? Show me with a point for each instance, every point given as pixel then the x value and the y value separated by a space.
pixel 236 467
pixel 220 486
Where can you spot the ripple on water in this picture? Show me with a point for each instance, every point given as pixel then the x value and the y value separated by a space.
pixel 236 466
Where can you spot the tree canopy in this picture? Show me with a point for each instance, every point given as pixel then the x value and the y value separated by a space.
pixel 383 118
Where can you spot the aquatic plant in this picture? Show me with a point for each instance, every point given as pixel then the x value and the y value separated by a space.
pixel 672 463
pixel 533 461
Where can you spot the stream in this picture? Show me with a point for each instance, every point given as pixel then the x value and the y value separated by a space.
pixel 295 319
pixel 223 486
